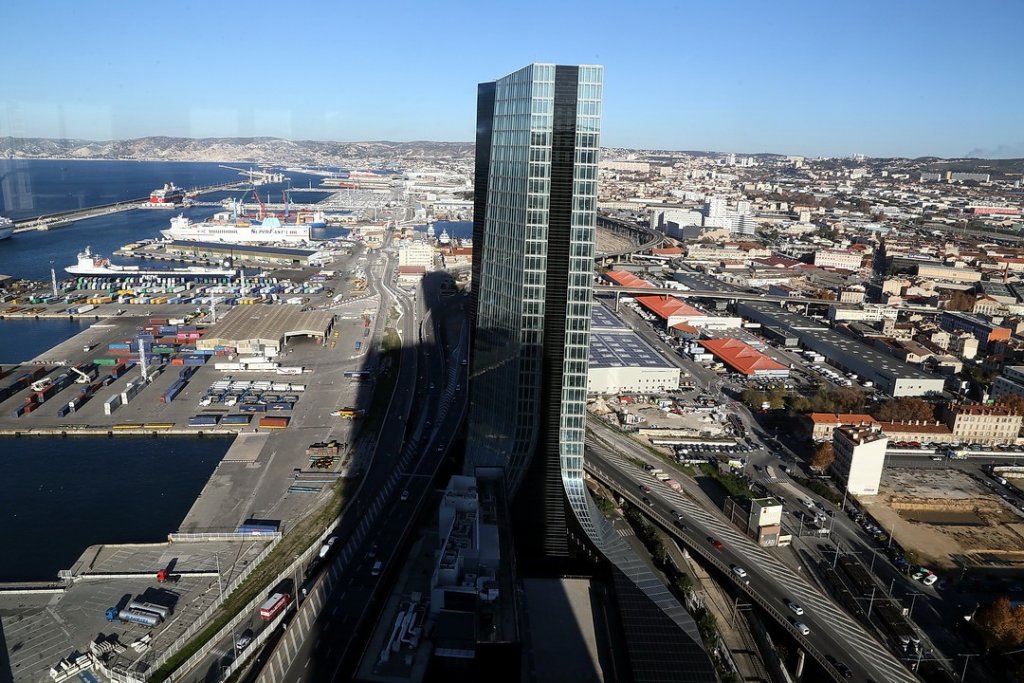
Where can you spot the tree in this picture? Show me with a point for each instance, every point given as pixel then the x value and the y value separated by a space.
pixel 848 400
pixel 1001 624
pixel 905 408
pixel 823 457
pixel 1013 402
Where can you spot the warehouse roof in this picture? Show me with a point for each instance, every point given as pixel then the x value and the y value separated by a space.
pixel 275 322
pixel 614 345
pixel 627 279
pixel 667 307
pixel 741 356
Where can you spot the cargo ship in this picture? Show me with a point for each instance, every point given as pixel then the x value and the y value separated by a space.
pixel 95 264
pixel 6 228
pixel 168 194
pixel 227 229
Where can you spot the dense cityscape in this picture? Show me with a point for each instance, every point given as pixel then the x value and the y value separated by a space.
pixel 525 407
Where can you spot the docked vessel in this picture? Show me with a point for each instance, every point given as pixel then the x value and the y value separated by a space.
pixel 430 231
pixel 231 230
pixel 6 228
pixel 168 194
pixel 95 264
pixel 444 237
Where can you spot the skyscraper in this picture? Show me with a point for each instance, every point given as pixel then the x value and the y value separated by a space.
pixel 537 143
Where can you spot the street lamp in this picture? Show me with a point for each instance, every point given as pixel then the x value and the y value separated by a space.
pixel 967 658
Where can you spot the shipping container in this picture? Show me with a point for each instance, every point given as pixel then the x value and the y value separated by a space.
pixel 273 422
pixel 111 404
pixel 203 420
pixel 236 419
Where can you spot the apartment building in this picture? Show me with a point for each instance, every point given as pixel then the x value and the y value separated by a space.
pixel 860 457
pixel 976 423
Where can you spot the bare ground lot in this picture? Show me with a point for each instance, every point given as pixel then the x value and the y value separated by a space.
pixel 947 518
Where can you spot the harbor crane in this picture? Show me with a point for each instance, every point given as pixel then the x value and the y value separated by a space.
pixel 257 177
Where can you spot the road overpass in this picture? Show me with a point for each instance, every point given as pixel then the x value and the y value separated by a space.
pixel 645 237
pixel 834 635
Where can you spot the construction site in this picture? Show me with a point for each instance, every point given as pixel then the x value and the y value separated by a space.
pixel 948 518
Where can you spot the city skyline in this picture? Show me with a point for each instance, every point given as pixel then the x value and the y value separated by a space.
pixel 745 78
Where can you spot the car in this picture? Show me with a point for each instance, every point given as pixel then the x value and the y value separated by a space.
pixel 244 640
pixel 377 566
pixel 675 514
pixel 647 501
pixel 930 579
pixel 716 543
pixel 405 494
pixel 645 488
pixel 681 526
pixel 802 627
pixel 794 608
pixel 739 571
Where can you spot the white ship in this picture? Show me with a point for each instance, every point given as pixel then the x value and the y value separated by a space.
pixel 95 264
pixel 224 229
pixel 430 231
pixel 444 238
pixel 6 228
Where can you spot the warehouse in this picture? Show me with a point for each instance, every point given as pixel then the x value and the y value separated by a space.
pixel 745 359
pixel 889 374
pixel 622 362
pixel 265 329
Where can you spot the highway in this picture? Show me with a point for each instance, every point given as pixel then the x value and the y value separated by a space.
pixel 770 582
pixel 397 487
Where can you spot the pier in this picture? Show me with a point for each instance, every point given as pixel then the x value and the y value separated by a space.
pixel 65 218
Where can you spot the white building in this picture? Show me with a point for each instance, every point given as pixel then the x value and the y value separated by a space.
pixel 838 258
pixel 416 254
pixel 860 457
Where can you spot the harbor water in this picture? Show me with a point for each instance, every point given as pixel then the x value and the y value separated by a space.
pixel 23 340
pixel 63 495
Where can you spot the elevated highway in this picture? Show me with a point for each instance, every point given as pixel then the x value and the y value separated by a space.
pixel 833 634
pixel 645 237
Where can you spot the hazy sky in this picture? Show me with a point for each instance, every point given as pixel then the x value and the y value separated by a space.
pixel 832 77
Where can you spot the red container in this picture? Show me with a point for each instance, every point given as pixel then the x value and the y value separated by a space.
pixel 274 422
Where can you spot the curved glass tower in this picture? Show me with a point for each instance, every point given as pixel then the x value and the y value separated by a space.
pixel 537 144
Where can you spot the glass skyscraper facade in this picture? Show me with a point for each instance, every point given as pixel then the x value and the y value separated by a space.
pixel 537 145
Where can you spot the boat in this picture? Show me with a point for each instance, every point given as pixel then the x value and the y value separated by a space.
pixel 6 228
pixel 168 194
pixel 444 238
pixel 227 228
pixel 430 231
pixel 96 264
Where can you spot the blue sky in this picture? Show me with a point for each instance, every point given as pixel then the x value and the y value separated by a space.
pixel 833 77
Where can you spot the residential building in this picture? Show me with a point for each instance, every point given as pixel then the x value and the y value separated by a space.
pixel 985 331
pixel 758 518
pixel 416 254
pixel 821 426
pixel 859 458
pixel 838 258
pixel 1009 383
pixel 976 423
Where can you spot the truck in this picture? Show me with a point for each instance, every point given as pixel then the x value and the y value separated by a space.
pixel 150 619
pixel 274 605
pixel 326 547
pixel 140 606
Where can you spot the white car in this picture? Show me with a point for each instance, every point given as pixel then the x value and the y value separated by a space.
pixel 930 579
pixel 794 608
pixel 739 571
pixel 802 627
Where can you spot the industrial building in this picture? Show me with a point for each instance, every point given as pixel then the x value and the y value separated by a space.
pixel 265 330
pixel 622 362
pixel 888 374
pixel 860 457
pixel 744 359
pixel 985 331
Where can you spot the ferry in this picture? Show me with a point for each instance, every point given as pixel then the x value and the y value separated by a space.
pixel 444 238
pixel 95 264
pixel 6 228
pixel 168 194
pixel 238 231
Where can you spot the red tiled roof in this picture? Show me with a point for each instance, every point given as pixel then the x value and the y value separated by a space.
pixel 666 306
pixel 840 418
pixel 627 279
pixel 740 355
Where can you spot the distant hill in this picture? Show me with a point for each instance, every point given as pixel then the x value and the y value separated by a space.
pixel 254 150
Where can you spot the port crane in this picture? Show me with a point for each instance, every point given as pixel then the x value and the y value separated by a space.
pixel 257 177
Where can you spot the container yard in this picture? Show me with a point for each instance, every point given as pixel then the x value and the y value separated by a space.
pixel 174 360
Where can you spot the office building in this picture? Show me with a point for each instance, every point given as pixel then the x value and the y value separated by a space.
pixel 860 457
pixel 537 144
